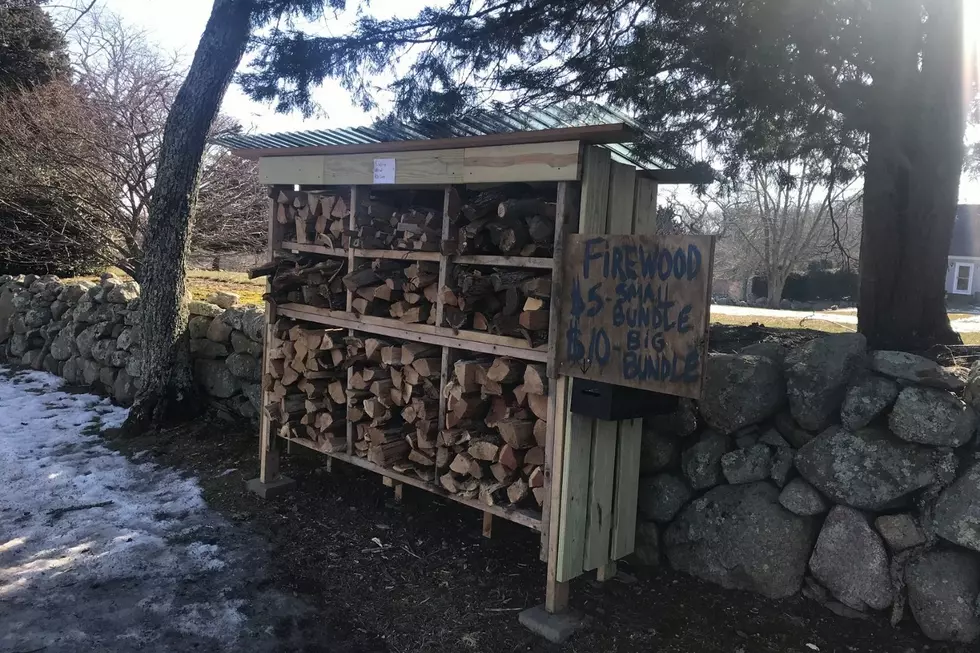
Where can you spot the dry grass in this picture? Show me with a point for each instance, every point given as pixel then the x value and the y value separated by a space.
pixel 203 283
pixel 784 323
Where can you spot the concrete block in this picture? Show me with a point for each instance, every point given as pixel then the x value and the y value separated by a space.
pixel 556 628
pixel 272 489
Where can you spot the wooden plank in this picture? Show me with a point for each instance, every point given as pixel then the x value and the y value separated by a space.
pixel 315 249
pixel 566 211
pixel 661 284
pixel 397 254
pixel 602 474
pixel 556 592
pixel 574 501
pixel 268 449
pixel 291 170
pixel 594 203
pixel 509 261
pixel 628 443
pixel 443 265
pixel 488 344
pixel 411 168
pixel 609 133
pixel 622 196
pixel 522 163
pixel 488 525
pixel 352 255
pixel 645 217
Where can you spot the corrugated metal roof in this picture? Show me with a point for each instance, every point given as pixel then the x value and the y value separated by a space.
pixel 474 123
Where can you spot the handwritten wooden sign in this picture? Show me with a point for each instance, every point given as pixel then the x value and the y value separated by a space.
pixel 635 311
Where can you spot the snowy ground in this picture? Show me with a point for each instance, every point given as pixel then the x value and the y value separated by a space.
pixel 98 553
pixel 964 325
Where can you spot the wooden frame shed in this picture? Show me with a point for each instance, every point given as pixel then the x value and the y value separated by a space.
pixel 587 517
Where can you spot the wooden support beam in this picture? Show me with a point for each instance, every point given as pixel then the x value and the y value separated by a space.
pixel 488 525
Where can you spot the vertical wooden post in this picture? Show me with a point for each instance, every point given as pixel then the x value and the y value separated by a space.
pixel 488 525
pixel 268 449
pixel 351 225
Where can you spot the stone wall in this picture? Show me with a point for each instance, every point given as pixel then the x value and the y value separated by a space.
pixel 87 333
pixel 849 475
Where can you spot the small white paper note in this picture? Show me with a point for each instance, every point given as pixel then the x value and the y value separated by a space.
pixel 384 171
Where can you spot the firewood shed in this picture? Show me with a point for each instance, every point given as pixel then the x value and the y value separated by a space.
pixel 415 299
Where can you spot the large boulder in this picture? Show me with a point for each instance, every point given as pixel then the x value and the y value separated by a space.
pixel 773 350
pixel 242 344
pixel 740 390
pixel 36 318
pixel 679 423
pixel 647 548
pixel 61 346
pixel 657 452
pixel 801 498
pixel 868 469
pixel 197 307
pixel 204 348
pixel 790 430
pixel 216 379
pixel 747 465
pixel 197 326
pixel 223 299
pixel 866 399
pixel 253 392
pixel 123 293
pixel 931 416
pixel 244 367
pixel 89 336
pixel 701 462
pixel 219 331
pixel 817 375
pixel 915 369
pixel 741 538
pixel 124 388
pixel 850 560
pixel 957 516
pixel 102 350
pixel 943 587
pixel 661 497
pixel 253 323
pixel 7 311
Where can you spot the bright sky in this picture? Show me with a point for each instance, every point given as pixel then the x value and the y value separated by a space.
pixel 177 25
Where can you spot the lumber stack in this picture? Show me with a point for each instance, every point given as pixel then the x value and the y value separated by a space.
pixel 310 218
pixel 303 280
pixel 394 404
pixel 509 220
pixel 387 288
pixel 492 446
pixel 306 384
pixel 509 302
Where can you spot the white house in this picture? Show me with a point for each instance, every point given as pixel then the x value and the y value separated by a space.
pixel 962 274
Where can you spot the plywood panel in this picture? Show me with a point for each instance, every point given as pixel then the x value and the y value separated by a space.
pixel 531 162
pixel 601 479
pixel 574 498
pixel 646 206
pixel 638 311
pixel 411 168
pixel 627 477
pixel 622 191
pixel 291 170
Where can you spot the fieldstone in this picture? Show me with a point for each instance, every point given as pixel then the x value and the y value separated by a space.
pixel 219 331
pixel 701 462
pixel 72 292
pixel 216 379
pixel 124 389
pixel 70 371
pixel 817 375
pixel 112 313
pixel 931 416
pixel 253 323
pixel 253 392
pixel 51 365
pixel 58 309
pixel 971 392
pixel 19 344
pixel 233 317
pixel 850 560
pixel 801 498
pixel 102 350
pixel 789 429
pixel 657 452
pixel 223 299
pixel 741 538
pixel 107 376
pixel 134 366
pixel 197 326
pixel 37 317
pixel 204 348
pixel 34 359
pixel 125 339
pixel 900 532
pixel 29 280
pixel 123 293
pixel 7 310
pixel 782 465
pixel 21 301
pixel 89 336
pixel 745 438
pixel 90 371
pixel 680 423
pixel 197 307
pixel 647 545
pixel 119 358
pixel 868 469
pixel 771 350
pixel 957 516
pixel 740 391
pixel 132 314
pixel 61 345
pixel 242 344
pixel 661 497
pixel 747 465
pixel 244 367
pixel 866 399
pixel 915 369
pixel 244 408
pixel 774 439
pixel 943 588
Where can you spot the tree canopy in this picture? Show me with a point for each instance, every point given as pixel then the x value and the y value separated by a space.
pixel 32 50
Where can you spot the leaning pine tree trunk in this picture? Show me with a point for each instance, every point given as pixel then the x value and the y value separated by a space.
pixel 912 179
pixel 168 392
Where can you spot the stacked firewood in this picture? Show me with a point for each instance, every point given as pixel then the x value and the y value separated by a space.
pixel 304 280
pixel 313 218
pixel 492 444
pixel 509 302
pixel 394 404
pixel 387 288
pixel 509 220
pixel 397 221
pixel 306 384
